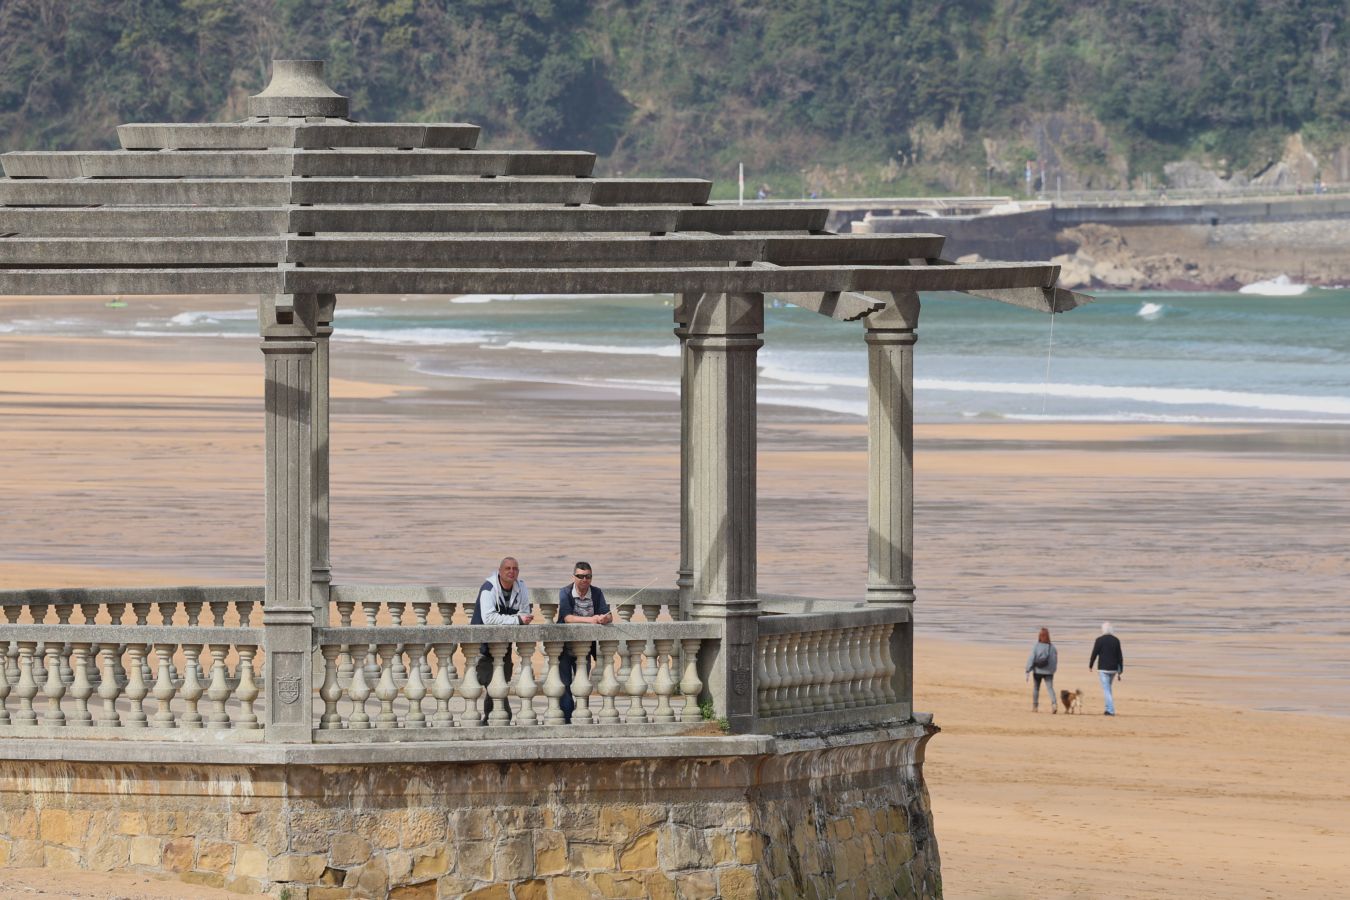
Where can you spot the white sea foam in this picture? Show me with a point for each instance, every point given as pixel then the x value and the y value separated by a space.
pixel 358 313
pixel 418 337
pixel 1150 311
pixel 607 349
pixel 1170 396
pixel 210 317
pixel 793 376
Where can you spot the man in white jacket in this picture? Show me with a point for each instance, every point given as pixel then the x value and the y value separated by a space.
pixel 502 600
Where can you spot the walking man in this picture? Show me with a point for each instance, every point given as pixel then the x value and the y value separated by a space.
pixel 502 600
pixel 1110 663
pixel 580 603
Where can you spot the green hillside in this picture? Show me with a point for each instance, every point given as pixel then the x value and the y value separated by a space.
pixel 837 96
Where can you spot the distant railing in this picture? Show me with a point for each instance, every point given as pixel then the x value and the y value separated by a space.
pixel 402 664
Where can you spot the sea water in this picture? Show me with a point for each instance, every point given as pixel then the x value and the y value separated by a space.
pixel 1148 357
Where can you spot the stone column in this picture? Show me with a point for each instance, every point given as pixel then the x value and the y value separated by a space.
pixel 288 325
pixel 891 334
pixel 322 567
pixel 684 578
pixel 718 447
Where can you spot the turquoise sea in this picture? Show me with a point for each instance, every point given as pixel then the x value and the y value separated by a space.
pixel 1127 357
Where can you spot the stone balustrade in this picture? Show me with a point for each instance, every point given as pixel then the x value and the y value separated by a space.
pixel 94 682
pixel 411 683
pixel 813 670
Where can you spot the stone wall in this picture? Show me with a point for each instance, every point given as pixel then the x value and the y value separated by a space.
pixel 807 820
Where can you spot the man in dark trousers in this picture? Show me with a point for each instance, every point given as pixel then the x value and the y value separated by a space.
pixel 580 603
pixel 1110 663
pixel 502 600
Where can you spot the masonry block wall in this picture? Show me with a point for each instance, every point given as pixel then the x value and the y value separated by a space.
pixel 808 821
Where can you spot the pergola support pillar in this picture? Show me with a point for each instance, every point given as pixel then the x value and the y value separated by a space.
pixel 288 324
pixel 718 449
pixel 322 569
pixel 891 335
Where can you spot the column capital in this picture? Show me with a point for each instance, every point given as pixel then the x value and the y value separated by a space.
pixel 901 312
pixel 714 315
pixel 288 316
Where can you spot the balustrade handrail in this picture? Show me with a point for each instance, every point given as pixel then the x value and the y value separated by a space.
pixel 793 623
pixel 142 634
pixel 472 634
pixel 78 596
pixel 404 593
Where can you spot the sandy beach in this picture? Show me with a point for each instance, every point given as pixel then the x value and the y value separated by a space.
pixel 1216 550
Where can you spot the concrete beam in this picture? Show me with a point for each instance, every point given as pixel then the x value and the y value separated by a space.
pixel 127 221
pixel 120 164
pixel 452 218
pixel 311 136
pixel 347 163
pixel 148 192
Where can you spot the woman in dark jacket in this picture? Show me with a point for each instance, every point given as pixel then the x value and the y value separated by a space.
pixel 1041 665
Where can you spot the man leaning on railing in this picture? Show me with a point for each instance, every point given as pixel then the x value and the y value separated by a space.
pixel 580 603
pixel 502 600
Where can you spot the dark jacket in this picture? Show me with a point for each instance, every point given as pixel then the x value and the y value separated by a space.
pixel 1107 655
pixel 565 603
pixel 566 609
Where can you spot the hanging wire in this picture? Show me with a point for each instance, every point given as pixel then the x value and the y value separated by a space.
pixel 1049 349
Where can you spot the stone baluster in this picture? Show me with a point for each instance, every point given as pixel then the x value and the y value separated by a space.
pixel 108 688
pixel 193 686
pixel 549 610
pixel 219 690
pixel 768 675
pixel 63 614
pixel 789 674
pixel 443 688
pixel 609 682
pixel 247 691
pixel 26 688
pixel 553 684
pixel 396 608
pixel 167 610
pixel 888 672
pixel 624 613
pixel 194 617
pixel 447 611
pixel 421 611
pixel 526 687
pixel 344 671
pixel 371 610
pixel 843 670
pixel 416 687
pixel 636 686
pixel 4 692
pixel 837 663
pixel 581 682
pixel 80 686
pixel 218 609
pixel 649 613
pixel 358 689
pixel 861 670
pixel 164 688
pixel 664 684
pixel 136 689
pixel 141 609
pixel 814 694
pixel 39 613
pixel 55 688
pixel 879 685
pixel 867 691
pixel 829 662
pixel 116 611
pixel 470 690
pixel 497 688
pixel 330 691
pixel 386 690
pixel 690 685
pixel 12 652
pixel 244 609
pixel 90 613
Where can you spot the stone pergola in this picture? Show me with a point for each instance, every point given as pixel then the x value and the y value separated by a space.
pixel 298 204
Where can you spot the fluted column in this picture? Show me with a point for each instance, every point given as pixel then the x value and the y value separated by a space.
pixel 288 325
pixel 322 569
pixel 684 578
pixel 891 335
pixel 722 338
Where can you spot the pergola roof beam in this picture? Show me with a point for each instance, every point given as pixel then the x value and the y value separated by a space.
pixel 655 280
pixel 460 218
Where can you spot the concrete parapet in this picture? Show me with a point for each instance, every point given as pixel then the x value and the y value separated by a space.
pixel 839 815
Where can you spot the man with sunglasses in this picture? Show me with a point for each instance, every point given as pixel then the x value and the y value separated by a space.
pixel 580 603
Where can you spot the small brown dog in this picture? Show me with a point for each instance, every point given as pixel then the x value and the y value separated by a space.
pixel 1072 700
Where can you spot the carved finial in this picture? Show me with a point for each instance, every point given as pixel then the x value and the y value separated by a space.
pixel 297 88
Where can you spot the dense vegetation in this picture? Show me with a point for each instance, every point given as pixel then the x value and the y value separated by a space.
pixel 812 92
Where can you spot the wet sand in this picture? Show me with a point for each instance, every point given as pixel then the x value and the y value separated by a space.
pixel 1215 550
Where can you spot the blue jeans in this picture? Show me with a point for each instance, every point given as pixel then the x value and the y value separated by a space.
pixel 1107 678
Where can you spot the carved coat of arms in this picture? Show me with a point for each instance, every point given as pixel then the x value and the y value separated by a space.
pixel 288 688
pixel 740 668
